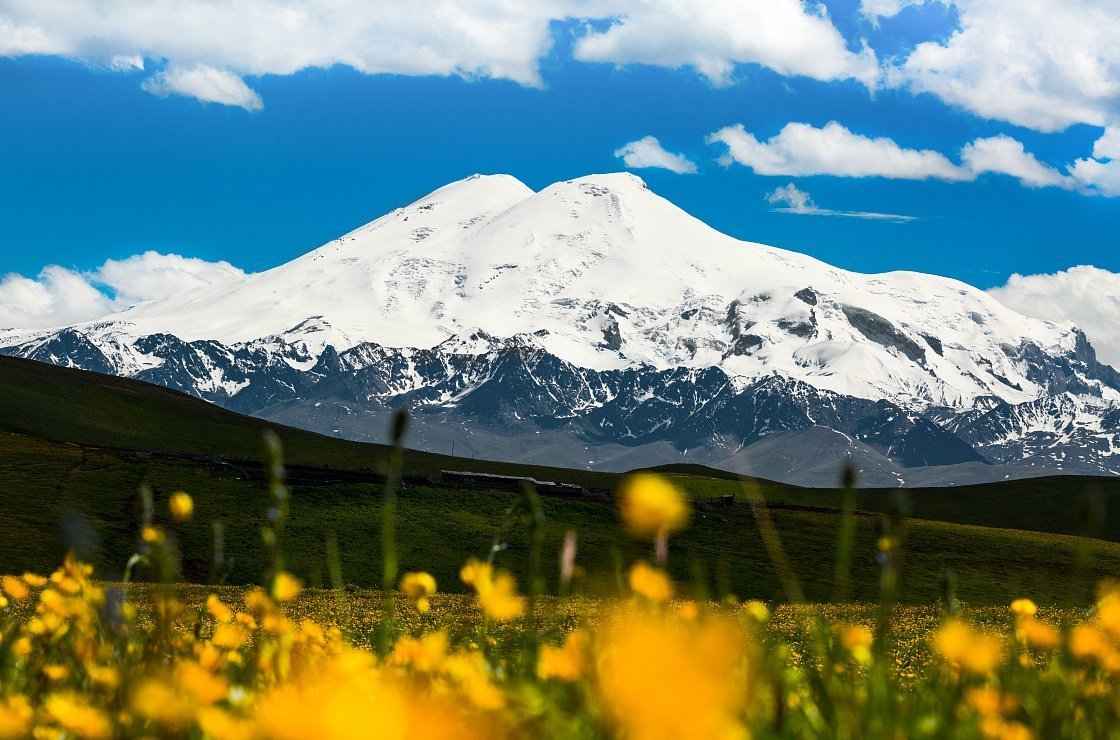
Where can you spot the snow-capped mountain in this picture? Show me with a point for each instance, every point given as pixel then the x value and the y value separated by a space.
pixel 595 323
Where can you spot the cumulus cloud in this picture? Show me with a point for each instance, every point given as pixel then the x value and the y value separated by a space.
pixel 791 199
pixel 210 47
pixel 205 83
pixel 1006 156
pixel 648 152
pixel 801 149
pixel 1087 296
pixel 787 36
pixel 1043 64
pixel 59 296
pixel 1101 172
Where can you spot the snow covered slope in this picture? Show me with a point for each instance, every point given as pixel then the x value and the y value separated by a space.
pixel 627 301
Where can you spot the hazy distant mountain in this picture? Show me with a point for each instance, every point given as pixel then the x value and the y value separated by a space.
pixel 594 323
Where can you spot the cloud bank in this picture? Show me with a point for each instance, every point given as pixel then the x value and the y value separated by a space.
pixel 801 149
pixel 1087 296
pixel 788 36
pixel 648 152
pixel 209 48
pixel 1043 64
pixel 59 296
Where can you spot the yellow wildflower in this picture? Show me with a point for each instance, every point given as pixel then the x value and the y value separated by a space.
pixel 497 592
pixel 651 583
pixel 152 535
pixel 657 679
pixel 218 610
pixel 1023 608
pixel 857 640
pixel 285 587
pixel 56 672
pixel 566 663
pixel 203 685
pixel 15 716
pixel 757 611
pixel 221 725
pixel 75 714
pixel 181 505
pixel 651 506
pixel 160 702
pixel 1038 634
pixel 418 587
pixel 229 636
pixel 34 581
pixel 14 587
pixel 425 654
pixel 963 647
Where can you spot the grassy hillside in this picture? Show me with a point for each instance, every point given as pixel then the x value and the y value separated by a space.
pixel 65 482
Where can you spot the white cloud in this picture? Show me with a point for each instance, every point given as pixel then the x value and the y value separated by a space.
pixel 210 47
pixel 800 149
pixel 1101 173
pixel 790 199
pixel 1087 296
pixel 59 296
pixel 876 9
pixel 788 36
pixel 205 83
pixel 207 44
pixel 1043 64
pixel 648 152
pixel 1006 156
pixel 1108 146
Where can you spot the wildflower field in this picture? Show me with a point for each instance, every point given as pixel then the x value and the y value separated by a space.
pixel 98 655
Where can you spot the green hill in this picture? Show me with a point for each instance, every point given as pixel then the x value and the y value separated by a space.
pixel 77 446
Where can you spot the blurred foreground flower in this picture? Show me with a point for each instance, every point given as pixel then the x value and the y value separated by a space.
pixel 497 591
pixel 418 587
pixel 181 506
pixel 652 507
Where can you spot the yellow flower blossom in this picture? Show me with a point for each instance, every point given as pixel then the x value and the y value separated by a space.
pixel 152 535
pixel 1023 608
pixel 218 610
pixel 161 702
pixel 229 636
pixel 963 647
pixel 425 654
pixel 34 581
pixel 203 685
pixel 76 715
pixel 651 506
pixel 857 640
pixel 14 587
pixel 15 716
pixel 285 587
pixel 418 587
pixel 566 663
pixel 497 591
pixel 222 725
pixel 181 506
pixel 650 583
pixel 662 680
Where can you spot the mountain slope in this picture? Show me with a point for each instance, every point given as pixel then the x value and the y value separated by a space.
pixel 67 493
pixel 596 317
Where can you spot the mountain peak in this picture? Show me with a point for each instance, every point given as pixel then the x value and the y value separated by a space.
pixel 616 181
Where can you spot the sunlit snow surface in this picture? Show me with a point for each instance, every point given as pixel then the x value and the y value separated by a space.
pixel 605 274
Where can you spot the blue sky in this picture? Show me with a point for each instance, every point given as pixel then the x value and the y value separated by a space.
pixel 102 160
